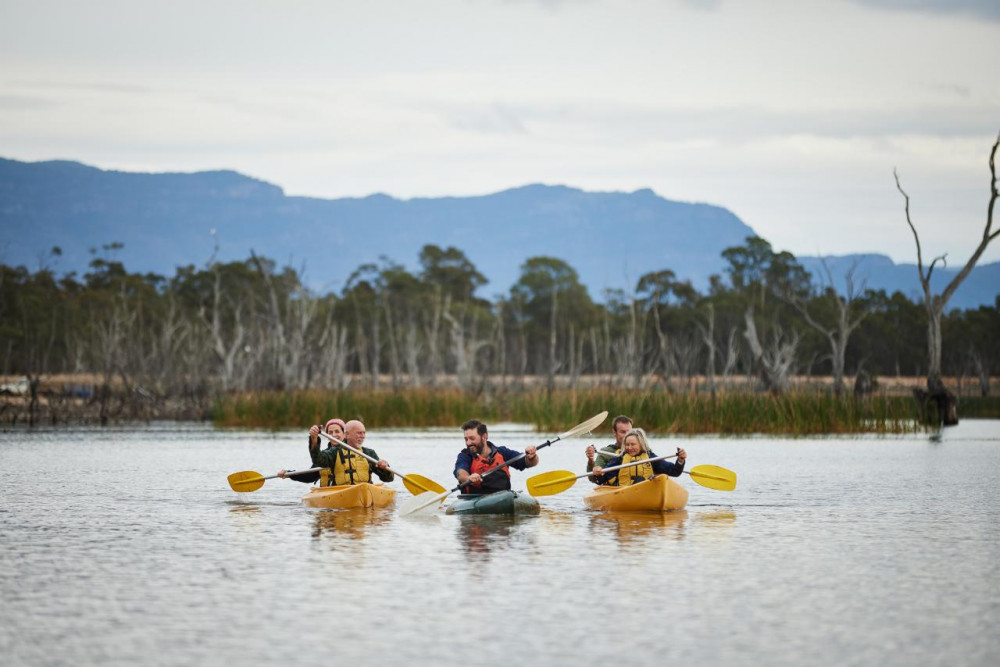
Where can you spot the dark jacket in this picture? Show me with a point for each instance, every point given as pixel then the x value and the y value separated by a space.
pixel 326 459
pixel 494 481
pixel 662 467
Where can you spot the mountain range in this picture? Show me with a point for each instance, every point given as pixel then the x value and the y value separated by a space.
pixel 166 220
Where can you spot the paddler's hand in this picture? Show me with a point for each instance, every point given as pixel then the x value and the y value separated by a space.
pixel 597 471
pixel 282 474
pixel 591 451
pixel 314 435
pixel 475 479
pixel 681 455
pixel 382 464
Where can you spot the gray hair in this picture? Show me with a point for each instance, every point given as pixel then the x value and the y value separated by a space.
pixel 640 435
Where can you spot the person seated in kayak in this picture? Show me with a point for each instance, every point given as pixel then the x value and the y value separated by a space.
pixel 637 451
pixel 480 456
pixel 335 428
pixel 344 466
pixel 621 425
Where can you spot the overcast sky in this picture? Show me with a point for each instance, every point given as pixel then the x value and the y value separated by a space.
pixel 790 113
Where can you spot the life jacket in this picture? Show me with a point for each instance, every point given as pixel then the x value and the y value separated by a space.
pixel 636 473
pixel 498 481
pixel 349 468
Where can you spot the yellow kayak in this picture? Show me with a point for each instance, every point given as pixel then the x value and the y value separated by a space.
pixel 356 495
pixel 659 494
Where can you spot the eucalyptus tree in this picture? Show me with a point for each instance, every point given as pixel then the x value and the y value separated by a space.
pixel 553 303
pixel 973 349
pixel 359 308
pixel 888 341
pixel 662 297
pixel 755 270
pixel 402 300
pixel 451 281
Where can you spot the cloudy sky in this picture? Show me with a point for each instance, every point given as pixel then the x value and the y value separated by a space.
pixel 791 113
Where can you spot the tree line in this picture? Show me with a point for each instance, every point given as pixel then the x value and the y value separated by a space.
pixel 252 325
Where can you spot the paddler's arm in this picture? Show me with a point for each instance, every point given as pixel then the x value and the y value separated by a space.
pixel 462 463
pixel 380 467
pixel 601 477
pixel 313 443
pixel 530 456
pixel 665 467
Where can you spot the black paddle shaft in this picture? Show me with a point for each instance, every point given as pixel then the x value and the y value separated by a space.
pixel 505 464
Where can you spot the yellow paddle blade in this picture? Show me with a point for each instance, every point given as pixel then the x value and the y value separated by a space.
pixel 248 480
pixel 551 483
pixel 417 484
pixel 714 477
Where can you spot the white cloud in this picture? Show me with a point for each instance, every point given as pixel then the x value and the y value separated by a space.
pixel 793 114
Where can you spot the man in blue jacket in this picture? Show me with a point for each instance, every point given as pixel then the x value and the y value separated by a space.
pixel 480 456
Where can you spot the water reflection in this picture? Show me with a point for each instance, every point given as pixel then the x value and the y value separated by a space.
pixel 636 527
pixel 352 523
pixel 480 536
pixel 715 524
pixel 246 515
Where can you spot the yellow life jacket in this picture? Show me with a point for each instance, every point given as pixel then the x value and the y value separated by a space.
pixel 349 468
pixel 637 473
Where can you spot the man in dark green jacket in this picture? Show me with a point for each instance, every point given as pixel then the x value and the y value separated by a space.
pixel 347 467
pixel 620 426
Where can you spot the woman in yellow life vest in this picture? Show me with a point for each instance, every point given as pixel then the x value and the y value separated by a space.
pixel 345 466
pixel 636 450
pixel 335 428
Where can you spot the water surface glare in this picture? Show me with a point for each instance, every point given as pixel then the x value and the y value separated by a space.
pixel 127 546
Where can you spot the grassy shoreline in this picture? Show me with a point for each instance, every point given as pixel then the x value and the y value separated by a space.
pixel 734 413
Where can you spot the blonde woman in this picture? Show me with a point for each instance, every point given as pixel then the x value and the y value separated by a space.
pixel 635 449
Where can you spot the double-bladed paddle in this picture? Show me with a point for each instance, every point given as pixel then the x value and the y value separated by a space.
pixel 556 481
pixel 415 484
pixel 425 500
pixel 248 480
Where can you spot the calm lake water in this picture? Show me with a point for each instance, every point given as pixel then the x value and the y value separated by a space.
pixel 127 546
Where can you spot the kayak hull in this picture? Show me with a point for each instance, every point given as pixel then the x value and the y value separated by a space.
pixel 356 495
pixel 514 503
pixel 659 494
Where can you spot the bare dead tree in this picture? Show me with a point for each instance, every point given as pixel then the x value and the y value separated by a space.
pixel 935 304
pixel 432 333
pixel 849 313
pixel 553 362
pixel 732 355
pixel 390 327
pixel 685 351
pixel 412 349
pixel 982 371
pixel 663 347
pixel 225 344
pixel 501 343
pixel 774 362
pixel 465 347
pixel 707 332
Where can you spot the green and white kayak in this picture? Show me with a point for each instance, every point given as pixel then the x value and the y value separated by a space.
pixel 500 502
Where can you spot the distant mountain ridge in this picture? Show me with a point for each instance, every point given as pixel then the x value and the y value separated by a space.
pixel 166 220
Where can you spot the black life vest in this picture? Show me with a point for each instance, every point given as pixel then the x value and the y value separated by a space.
pixel 498 481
